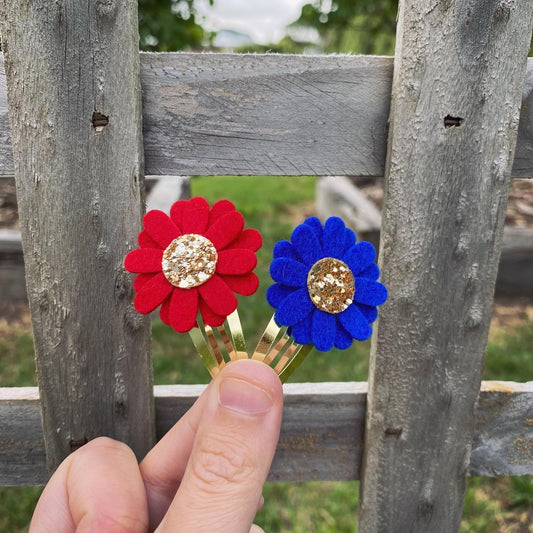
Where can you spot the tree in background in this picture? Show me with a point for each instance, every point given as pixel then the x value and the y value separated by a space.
pixel 348 26
pixel 167 25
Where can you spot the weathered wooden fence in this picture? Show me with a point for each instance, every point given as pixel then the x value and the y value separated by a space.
pixel 74 82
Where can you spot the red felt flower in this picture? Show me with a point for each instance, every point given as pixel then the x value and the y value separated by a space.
pixel 194 261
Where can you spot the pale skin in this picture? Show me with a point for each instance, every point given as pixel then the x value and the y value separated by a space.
pixel 206 474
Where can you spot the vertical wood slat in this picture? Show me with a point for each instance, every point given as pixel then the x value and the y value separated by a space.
pixel 74 100
pixel 459 74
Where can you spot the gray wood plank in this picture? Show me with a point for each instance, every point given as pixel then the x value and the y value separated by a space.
pixel 265 114
pixel 69 65
pixel 269 114
pixel 321 436
pixel 458 80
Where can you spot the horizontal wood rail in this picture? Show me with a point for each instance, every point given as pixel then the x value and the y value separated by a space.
pixel 321 436
pixel 215 114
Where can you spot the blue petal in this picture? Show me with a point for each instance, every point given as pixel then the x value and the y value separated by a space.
pixel 284 249
pixel 349 239
pixel 359 257
pixel 294 308
pixel 323 332
pixel 333 239
pixel 306 244
pixel 277 293
pixel 370 272
pixel 315 224
pixel 370 312
pixel 301 331
pixel 369 292
pixel 355 323
pixel 289 272
pixel 343 339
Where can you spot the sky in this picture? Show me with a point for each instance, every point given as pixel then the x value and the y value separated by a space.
pixel 263 20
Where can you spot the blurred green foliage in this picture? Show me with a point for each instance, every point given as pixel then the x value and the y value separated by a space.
pixel 168 25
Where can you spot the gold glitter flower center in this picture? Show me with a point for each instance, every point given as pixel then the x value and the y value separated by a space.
pixel 331 285
pixel 189 261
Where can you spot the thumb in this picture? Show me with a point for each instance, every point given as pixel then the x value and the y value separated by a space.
pixel 232 452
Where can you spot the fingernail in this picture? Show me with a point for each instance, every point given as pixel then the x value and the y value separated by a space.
pixel 244 397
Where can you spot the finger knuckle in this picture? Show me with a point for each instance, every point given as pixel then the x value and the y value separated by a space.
pixel 220 461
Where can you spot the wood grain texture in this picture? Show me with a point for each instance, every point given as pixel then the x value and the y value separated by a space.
pixel 459 63
pixel 270 114
pixel 79 187
pixel 264 114
pixel 321 435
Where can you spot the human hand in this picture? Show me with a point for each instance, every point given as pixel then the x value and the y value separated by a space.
pixel 205 475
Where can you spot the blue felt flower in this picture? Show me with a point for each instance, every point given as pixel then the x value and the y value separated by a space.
pixel 326 289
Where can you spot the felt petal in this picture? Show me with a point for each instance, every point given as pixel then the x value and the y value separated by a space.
pixel 315 224
pixel 183 309
pixel 219 209
pixel 250 239
pixel 209 318
pixel 145 241
pixel 236 261
pixel 277 293
pixel 359 257
pixel 160 228
pixel 370 272
pixel 294 308
pixel 218 296
pixel 349 239
pixel 343 339
pixel 225 229
pixel 289 272
pixel 370 312
pixel 144 260
pixel 333 238
pixel 164 311
pixel 301 331
pixel 244 285
pixel 152 294
pixel 176 212
pixel 323 330
pixel 306 244
pixel 141 280
pixel 284 249
pixel 355 323
pixel 195 216
pixel 369 292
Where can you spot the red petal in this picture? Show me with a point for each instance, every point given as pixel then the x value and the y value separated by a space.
pixel 225 229
pixel 183 309
pixel 176 212
pixel 152 294
pixel 160 228
pixel 195 216
pixel 219 209
pixel 236 261
pixel 210 318
pixel 145 241
pixel 144 260
pixel 250 239
pixel 218 296
pixel 244 285
pixel 164 311
pixel 141 280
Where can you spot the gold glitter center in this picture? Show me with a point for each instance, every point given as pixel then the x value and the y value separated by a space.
pixel 331 285
pixel 189 261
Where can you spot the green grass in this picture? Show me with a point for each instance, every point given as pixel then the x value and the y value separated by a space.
pixel 274 207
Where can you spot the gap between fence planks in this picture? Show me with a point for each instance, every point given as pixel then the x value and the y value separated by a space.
pixel 321 436
pixel 269 114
